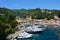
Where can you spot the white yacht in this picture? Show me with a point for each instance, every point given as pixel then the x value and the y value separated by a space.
pixel 24 35
pixel 34 29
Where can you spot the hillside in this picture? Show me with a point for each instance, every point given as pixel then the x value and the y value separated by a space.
pixel 35 13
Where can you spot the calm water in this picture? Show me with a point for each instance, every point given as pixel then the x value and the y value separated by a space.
pixel 47 34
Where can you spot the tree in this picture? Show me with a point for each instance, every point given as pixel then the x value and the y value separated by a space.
pixel 3 32
pixel 13 23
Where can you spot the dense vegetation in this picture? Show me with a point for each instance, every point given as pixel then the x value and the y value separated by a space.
pixel 8 22
pixel 36 13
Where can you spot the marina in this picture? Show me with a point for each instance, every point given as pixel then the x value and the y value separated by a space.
pixel 36 30
pixel 48 34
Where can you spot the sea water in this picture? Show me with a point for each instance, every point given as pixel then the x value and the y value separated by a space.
pixel 47 34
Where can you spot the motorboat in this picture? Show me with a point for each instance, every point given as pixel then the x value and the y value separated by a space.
pixel 24 35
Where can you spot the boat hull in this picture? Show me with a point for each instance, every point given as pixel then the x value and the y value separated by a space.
pixel 24 38
pixel 34 32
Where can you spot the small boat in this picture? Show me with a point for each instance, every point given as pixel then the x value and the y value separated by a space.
pixel 24 35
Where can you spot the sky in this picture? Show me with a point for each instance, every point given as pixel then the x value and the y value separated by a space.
pixel 30 4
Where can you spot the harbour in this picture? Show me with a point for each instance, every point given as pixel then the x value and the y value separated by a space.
pixel 33 30
pixel 48 34
pixel 29 20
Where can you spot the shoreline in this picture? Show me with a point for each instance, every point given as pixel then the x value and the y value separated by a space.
pixel 14 35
